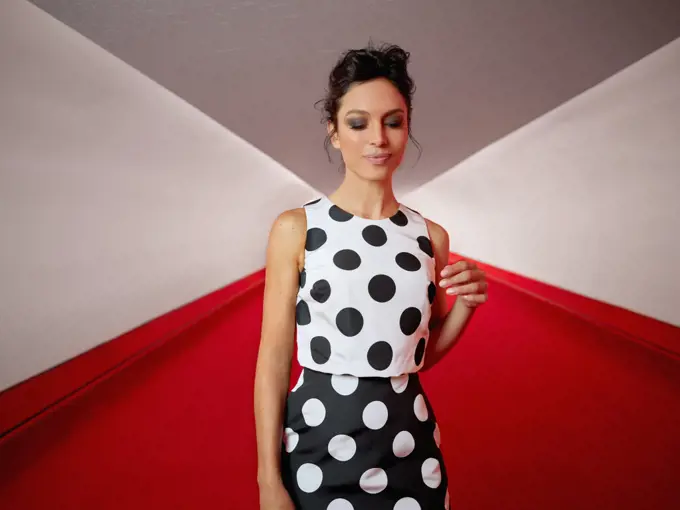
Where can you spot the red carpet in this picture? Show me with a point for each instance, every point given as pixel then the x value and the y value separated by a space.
pixel 538 410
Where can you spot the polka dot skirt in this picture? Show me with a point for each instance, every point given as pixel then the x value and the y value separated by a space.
pixel 355 443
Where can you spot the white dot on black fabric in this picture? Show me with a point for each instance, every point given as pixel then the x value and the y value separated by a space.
pixel 348 260
pixel 321 291
pixel 420 352
pixel 339 215
pixel 420 408
pixel 290 439
pixel 374 235
pixel 381 288
pixel 349 321
pixel 380 355
pixel 340 504
pixel 342 447
pixel 313 412
pixel 425 245
pixel 321 349
pixel 447 500
pixel 407 504
pixel 313 202
pixel 437 435
pixel 302 315
pixel 432 474
pixel 303 278
pixel 407 261
pixel 373 480
pixel 375 415
pixel 431 292
pixel 309 477
pixel 410 320
pixel 316 238
pixel 399 383
pixel 403 444
pixel 399 219
pixel 344 384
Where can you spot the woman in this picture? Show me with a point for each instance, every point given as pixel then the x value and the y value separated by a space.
pixel 361 281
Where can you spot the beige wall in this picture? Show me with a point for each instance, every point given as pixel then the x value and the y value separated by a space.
pixel 586 197
pixel 118 201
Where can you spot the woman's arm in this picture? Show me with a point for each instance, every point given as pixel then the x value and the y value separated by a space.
pixel 462 278
pixel 272 378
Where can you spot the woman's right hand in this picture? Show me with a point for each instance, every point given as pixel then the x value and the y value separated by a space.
pixel 274 496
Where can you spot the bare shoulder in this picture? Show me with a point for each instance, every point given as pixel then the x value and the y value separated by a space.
pixel 439 237
pixel 287 235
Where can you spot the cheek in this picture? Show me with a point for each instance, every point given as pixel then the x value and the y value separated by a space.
pixel 398 139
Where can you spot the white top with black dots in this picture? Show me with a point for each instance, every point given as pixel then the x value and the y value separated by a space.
pixel 366 290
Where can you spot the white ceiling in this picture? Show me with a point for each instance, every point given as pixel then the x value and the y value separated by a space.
pixel 482 67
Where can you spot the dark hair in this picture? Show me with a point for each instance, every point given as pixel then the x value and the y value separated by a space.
pixel 387 61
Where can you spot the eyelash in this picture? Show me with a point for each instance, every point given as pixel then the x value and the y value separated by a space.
pixel 394 125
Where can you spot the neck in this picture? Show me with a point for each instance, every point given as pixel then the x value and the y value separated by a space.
pixel 369 199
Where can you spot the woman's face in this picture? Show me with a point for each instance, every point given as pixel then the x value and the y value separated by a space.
pixel 372 129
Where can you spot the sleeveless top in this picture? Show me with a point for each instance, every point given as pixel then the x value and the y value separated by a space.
pixel 365 294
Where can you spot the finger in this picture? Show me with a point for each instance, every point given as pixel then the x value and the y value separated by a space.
pixel 469 275
pixel 475 300
pixel 457 267
pixel 468 288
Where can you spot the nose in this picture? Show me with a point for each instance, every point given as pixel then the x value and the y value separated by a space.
pixel 378 135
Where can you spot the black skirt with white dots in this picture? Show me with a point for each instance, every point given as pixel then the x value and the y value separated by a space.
pixel 362 443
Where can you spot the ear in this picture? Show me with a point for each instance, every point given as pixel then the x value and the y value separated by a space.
pixel 333 134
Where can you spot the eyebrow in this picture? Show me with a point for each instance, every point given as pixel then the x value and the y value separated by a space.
pixel 396 110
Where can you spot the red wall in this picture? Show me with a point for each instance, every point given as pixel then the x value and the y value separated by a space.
pixel 539 408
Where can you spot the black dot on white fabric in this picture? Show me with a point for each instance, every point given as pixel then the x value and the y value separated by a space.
pixel 382 288
pixel 410 320
pixel 407 261
pixel 321 349
pixel 349 321
pixel 342 447
pixel 431 292
pixel 321 291
pixel 407 504
pixel 302 315
pixel 374 235
pixel 313 202
pixel 373 480
pixel 431 471
pixel 303 278
pixel 425 245
pixel 399 219
pixel 309 477
pixel 348 260
pixel 380 355
pixel 340 504
pixel 313 412
pixel 403 444
pixel 338 214
pixel 316 238
pixel 420 352
pixel 375 415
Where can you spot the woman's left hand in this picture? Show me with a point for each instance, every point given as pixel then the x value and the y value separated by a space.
pixel 466 280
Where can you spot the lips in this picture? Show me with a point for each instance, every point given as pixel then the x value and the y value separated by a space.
pixel 378 159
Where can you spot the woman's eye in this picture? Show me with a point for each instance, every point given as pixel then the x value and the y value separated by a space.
pixel 395 123
pixel 356 124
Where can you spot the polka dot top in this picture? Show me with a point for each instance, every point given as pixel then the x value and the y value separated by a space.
pixel 366 290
